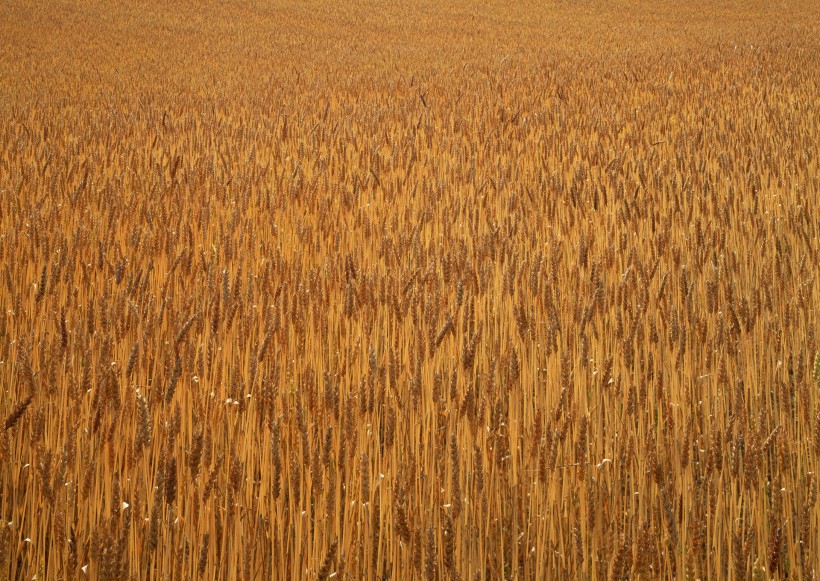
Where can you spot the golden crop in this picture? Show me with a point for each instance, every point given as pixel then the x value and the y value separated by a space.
pixel 374 290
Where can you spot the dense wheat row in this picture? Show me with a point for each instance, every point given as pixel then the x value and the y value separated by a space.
pixel 526 317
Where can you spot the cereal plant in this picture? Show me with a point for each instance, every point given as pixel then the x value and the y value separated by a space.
pixel 409 291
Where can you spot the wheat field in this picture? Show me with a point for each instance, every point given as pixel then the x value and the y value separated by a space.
pixel 393 290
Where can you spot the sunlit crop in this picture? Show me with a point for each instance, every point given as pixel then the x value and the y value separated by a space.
pixel 387 291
